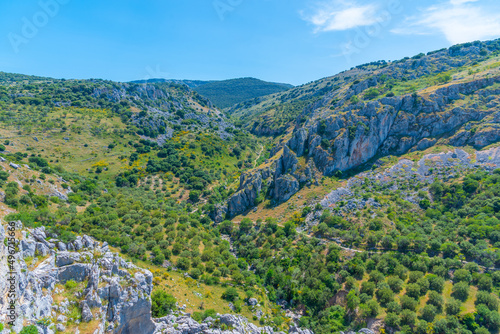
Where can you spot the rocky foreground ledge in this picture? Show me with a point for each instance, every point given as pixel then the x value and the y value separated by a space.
pixel 112 295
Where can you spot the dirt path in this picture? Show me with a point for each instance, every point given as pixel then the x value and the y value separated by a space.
pixel 258 156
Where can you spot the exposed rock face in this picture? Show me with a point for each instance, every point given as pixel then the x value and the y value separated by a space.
pixel 112 293
pixel 351 136
pixel 244 198
pixel 279 179
pixel 239 325
pixel 389 126
pixel 285 187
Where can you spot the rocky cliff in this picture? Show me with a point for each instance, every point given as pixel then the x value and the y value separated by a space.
pixel 279 178
pixel 356 133
pixel 340 135
pixel 110 294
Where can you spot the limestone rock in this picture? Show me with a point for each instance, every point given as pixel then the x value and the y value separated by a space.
pixel 86 312
pixel 284 188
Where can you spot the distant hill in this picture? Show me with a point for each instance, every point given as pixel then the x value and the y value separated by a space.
pixel 227 93
pixel 189 83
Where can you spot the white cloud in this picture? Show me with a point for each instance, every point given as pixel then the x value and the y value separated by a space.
pixel 458 20
pixel 459 2
pixel 339 15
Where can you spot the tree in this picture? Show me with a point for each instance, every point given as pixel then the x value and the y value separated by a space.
pixel 436 283
pixel 183 263
pixel 368 288
pixel 395 283
pixel 487 299
pixel 195 273
pixel 387 242
pixel 460 291
pixel 413 290
pixel 403 243
pixel 194 196
pixel 436 299
pixel 392 320
pixel 428 313
pixel 485 283
pixel 370 309
pixel 245 225
pixel 408 303
pixel 408 317
pixel 162 303
pixel 453 307
pixel 385 295
pixel 462 275
pixel 352 300
pixel 159 259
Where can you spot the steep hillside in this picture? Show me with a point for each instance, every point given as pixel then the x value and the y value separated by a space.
pixel 273 115
pixel 449 96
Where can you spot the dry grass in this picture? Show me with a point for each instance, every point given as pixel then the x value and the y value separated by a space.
pixel 82 146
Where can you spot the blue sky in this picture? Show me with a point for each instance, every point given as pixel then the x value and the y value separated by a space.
pixel 276 40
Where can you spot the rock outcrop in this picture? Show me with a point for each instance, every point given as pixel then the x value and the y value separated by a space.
pixel 115 292
pixel 236 324
pixel 438 166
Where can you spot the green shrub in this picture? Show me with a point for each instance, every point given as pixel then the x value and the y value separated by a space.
pixel 230 294
pixel 162 303
pixel 71 284
pixel 31 329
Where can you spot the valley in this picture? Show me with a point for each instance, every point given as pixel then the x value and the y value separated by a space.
pixel 365 202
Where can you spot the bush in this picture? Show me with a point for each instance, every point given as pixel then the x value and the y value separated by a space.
pixel 31 329
pixel 161 303
pixel 230 294
pixel 71 284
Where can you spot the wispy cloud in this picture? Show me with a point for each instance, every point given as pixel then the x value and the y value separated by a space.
pixel 336 15
pixel 458 20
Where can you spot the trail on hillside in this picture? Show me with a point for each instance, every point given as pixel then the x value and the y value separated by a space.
pixel 258 156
